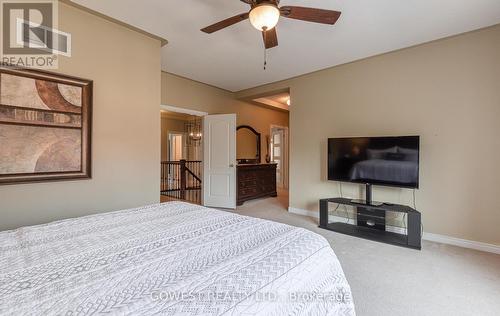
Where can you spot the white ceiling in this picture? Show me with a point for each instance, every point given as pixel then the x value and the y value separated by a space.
pixel 233 58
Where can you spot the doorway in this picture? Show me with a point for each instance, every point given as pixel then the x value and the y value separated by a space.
pixel 181 154
pixel 177 146
pixel 279 154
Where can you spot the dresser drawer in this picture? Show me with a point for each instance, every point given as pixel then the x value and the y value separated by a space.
pixel 255 181
pixel 248 182
pixel 249 192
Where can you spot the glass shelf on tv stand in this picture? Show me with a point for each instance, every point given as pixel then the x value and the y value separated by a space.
pixel 363 202
pixel 375 211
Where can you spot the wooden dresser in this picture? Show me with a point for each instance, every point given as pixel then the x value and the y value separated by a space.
pixel 255 181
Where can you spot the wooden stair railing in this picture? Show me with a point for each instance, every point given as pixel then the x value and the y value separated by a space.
pixel 181 180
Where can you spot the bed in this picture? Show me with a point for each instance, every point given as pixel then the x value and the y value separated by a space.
pixel 173 258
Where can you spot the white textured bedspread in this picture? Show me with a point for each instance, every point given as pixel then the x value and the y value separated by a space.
pixel 174 259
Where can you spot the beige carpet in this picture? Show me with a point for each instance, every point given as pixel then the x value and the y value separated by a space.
pixel 389 280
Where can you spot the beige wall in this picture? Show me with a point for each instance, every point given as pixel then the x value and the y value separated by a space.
pixel 185 93
pixel 446 91
pixel 125 142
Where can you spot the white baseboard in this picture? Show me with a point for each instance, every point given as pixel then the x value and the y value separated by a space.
pixel 464 243
pixel 443 239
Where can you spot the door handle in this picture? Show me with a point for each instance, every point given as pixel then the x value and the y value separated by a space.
pixel 231 166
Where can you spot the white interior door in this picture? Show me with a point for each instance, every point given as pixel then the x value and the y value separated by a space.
pixel 276 155
pixel 279 155
pixel 219 161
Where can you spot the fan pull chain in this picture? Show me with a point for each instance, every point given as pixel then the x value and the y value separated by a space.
pixel 264 32
pixel 265 58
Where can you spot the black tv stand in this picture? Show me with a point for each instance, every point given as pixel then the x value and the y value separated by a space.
pixel 364 202
pixel 371 223
pixel 368 200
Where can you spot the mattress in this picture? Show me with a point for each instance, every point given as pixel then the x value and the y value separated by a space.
pixel 173 258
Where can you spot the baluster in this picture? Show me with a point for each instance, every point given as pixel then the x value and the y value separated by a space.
pixel 183 178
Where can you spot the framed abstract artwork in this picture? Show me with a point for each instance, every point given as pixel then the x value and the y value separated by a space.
pixel 45 126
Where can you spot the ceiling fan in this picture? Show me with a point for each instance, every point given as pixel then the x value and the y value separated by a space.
pixel 264 16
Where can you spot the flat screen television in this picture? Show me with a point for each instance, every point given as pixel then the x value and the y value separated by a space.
pixel 388 161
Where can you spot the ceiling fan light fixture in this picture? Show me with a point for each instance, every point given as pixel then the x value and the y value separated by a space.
pixel 264 17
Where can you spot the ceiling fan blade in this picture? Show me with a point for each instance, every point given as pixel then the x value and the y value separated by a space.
pixel 270 38
pixel 225 23
pixel 310 14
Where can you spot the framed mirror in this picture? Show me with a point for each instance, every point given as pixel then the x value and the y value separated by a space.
pixel 247 145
